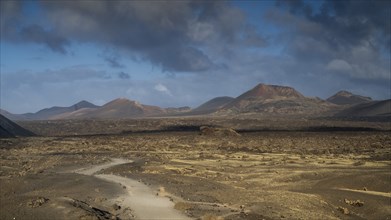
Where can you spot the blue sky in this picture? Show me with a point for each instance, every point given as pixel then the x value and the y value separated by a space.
pixel 182 53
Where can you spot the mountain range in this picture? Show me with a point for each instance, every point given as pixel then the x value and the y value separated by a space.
pixel 263 99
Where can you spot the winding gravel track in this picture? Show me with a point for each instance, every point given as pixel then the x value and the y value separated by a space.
pixel 141 199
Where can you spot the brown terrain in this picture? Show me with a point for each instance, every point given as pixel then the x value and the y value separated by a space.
pixel 301 169
pixel 234 163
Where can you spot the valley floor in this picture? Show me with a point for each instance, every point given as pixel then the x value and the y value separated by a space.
pixel 258 175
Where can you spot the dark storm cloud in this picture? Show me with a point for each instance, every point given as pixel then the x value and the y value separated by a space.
pixel 12 30
pixel 36 34
pixel 357 19
pixel 346 37
pixel 295 6
pixel 123 75
pixel 346 22
pixel 170 34
pixel 10 12
pixel 185 59
pixel 175 35
pixel 251 38
pixel 314 46
pixel 113 62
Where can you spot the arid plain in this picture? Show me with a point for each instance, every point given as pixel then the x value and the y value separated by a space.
pixel 195 109
pixel 269 169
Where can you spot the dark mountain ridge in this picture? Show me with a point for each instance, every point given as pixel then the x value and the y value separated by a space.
pixel 9 128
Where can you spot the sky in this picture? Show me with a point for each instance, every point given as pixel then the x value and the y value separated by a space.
pixel 183 53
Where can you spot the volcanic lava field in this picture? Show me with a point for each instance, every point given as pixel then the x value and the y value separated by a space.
pixel 207 168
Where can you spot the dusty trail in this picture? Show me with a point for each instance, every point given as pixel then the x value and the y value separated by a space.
pixel 376 193
pixel 141 199
pixel 92 170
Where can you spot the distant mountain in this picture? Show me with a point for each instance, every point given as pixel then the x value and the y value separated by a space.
pixel 368 109
pixel 276 100
pixel 12 116
pixel 347 98
pixel 83 104
pixel 212 105
pixel 263 99
pixel 10 129
pixel 74 114
pixel 119 108
pixel 49 113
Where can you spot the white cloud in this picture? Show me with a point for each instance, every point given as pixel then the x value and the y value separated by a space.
pixel 339 65
pixel 163 89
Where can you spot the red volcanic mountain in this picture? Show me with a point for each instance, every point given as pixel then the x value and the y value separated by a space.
pixel 263 92
pixel 275 100
pixel 270 91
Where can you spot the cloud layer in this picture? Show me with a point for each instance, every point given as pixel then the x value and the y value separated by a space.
pixel 203 48
pixel 174 35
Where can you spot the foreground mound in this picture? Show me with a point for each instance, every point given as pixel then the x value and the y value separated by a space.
pixel 11 129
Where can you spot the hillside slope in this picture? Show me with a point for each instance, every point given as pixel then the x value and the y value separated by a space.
pixel 374 108
pixel 9 128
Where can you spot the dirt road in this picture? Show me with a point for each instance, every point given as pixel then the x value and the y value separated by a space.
pixel 141 199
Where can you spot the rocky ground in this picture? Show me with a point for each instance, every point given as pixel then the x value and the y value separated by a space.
pixel 221 175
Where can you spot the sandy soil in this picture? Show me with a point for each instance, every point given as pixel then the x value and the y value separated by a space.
pixel 146 203
pixel 258 175
pixel 93 169
pixel 140 199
